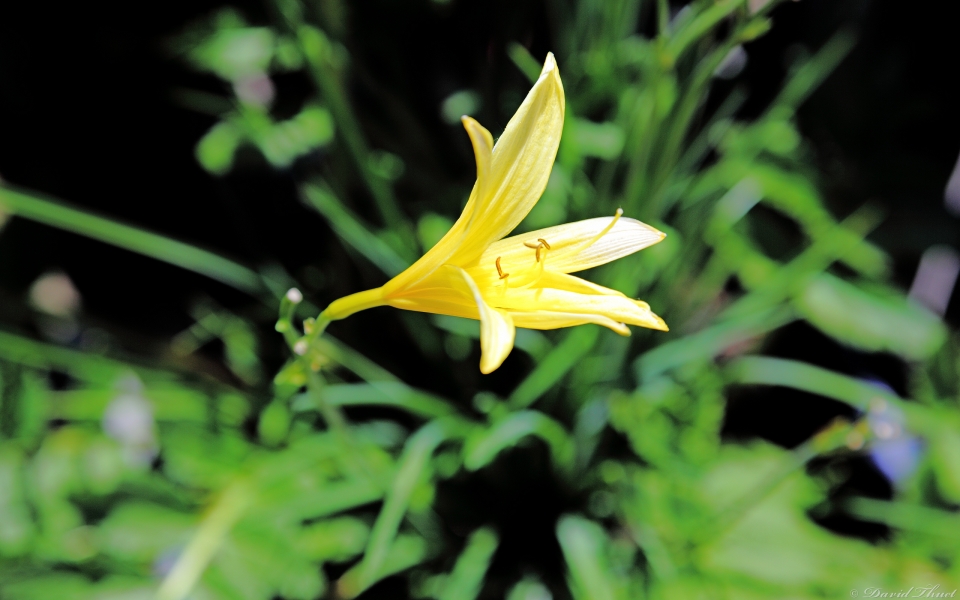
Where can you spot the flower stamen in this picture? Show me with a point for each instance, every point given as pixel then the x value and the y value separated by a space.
pixel 500 269
pixel 541 244
pixel 605 231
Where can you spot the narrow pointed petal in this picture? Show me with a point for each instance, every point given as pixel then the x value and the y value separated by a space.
pixel 497 330
pixel 450 243
pixel 482 143
pixel 521 163
pixel 542 319
pixel 572 283
pixel 575 246
pixel 617 308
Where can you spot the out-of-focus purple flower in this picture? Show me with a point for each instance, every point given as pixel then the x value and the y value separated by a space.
pixel 893 450
pixel 165 561
pixel 897 459
pixel 935 278
pixel 129 420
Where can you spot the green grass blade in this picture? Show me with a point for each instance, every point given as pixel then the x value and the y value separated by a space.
pixel 56 214
pixel 554 366
pixel 584 547
pixel 483 447
pixel 466 579
pixel 352 230
pixel 415 458
pixel 762 370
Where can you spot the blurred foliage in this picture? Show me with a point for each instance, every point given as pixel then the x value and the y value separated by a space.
pixel 120 480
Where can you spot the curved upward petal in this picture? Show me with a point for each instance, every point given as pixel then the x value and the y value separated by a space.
pixel 520 165
pixel 441 252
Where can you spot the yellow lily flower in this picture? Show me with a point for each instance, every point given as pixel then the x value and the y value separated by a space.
pixel 524 280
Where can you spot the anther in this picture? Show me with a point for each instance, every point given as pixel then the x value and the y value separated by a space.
pixel 541 244
pixel 500 269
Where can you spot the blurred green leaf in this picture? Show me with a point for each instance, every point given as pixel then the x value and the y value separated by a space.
pixel 458 104
pixel 412 463
pixel 877 321
pixel 584 546
pixel 57 214
pixel 762 370
pixel 141 532
pixel 353 231
pixel 483 446
pixel 466 579
pixel 216 148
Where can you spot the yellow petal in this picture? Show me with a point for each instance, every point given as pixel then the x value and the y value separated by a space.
pixel 574 246
pixel 482 143
pixel 450 243
pixel 572 283
pixel 520 164
pixel 616 308
pixel 346 306
pixel 436 300
pixel 496 330
pixel 541 319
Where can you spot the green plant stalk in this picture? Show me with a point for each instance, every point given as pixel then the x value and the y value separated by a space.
pixel 466 579
pixel 763 370
pixel 663 19
pixel 191 564
pixel 676 132
pixel 331 414
pixel 350 132
pixel 649 132
pixel 353 361
pixel 82 365
pixel 793 276
pixel 351 229
pixel 416 455
pixel 696 27
pixel 811 74
pixel 554 366
pixel 584 546
pixel 315 48
pixel 57 214
pixel 484 447
pixel 384 393
pixel 905 516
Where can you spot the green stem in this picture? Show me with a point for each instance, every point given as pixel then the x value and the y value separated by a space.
pixel 301 350
pixel 203 546
pixel 554 366
pixel 318 52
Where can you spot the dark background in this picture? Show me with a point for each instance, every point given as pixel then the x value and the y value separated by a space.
pixel 88 114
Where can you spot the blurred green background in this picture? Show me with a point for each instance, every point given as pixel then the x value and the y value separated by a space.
pixel 170 171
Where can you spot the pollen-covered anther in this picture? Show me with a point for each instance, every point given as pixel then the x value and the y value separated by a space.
pixel 540 245
pixel 500 270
